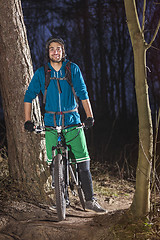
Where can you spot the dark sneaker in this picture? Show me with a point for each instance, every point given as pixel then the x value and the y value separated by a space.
pixel 94 206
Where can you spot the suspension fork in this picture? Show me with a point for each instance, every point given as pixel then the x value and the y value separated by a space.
pixel 66 164
pixel 52 164
pixel 62 149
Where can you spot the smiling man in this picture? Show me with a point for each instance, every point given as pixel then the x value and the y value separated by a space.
pixel 55 53
pixel 61 110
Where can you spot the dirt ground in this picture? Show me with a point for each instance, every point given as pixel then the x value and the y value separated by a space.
pixel 21 220
pixel 27 222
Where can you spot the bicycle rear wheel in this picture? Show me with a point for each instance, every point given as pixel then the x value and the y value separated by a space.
pixel 81 196
pixel 60 188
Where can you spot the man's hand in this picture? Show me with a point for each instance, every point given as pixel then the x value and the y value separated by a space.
pixel 89 122
pixel 29 126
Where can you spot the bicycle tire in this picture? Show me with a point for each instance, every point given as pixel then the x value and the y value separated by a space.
pixel 60 187
pixel 81 196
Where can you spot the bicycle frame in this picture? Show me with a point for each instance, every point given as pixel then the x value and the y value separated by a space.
pixel 63 173
pixel 61 148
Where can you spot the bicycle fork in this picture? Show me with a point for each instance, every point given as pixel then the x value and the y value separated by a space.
pixel 64 152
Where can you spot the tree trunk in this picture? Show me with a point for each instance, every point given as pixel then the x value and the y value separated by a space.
pixel 25 150
pixel 141 201
pixel 142 194
pixel 87 50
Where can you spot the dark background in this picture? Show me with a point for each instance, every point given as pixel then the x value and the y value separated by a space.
pixel 97 39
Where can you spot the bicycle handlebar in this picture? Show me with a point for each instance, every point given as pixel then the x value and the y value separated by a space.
pixel 39 129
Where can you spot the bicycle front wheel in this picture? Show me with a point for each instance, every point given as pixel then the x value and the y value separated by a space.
pixel 60 187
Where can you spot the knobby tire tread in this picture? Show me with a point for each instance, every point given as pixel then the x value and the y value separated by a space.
pixel 59 187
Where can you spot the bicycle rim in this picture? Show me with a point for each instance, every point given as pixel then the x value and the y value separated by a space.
pixel 81 196
pixel 59 187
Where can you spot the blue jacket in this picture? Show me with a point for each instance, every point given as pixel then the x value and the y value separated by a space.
pixel 55 101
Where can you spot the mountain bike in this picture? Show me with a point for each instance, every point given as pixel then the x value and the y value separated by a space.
pixel 65 173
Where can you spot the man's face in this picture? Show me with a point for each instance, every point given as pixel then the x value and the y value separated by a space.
pixel 55 52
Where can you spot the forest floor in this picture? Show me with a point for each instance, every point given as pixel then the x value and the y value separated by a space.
pixel 23 220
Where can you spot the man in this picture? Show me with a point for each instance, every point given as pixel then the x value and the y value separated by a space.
pixel 61 109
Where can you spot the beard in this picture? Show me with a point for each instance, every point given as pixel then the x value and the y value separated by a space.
pixel 55 61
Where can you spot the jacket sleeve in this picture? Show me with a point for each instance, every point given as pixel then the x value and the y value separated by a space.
pixel 78 82
pixel 34 87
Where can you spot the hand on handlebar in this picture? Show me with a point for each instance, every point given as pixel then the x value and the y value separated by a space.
pixel 88 122
pixel 29 126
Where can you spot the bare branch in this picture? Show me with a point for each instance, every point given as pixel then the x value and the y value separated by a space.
pixel 154 36
pixel 143 20
pixel 158 49
pixel 132 19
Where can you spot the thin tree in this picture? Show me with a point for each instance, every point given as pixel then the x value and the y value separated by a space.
pixel 141 201
pixel 25 150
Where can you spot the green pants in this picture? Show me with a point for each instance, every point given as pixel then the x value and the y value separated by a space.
pixel 75 140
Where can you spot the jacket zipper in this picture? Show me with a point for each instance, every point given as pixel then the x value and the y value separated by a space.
pixel 60 107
